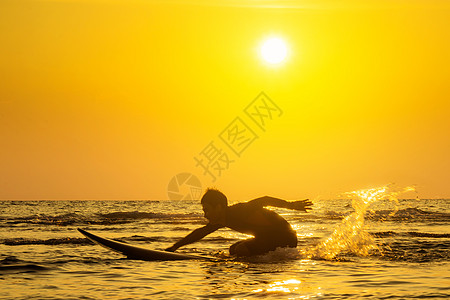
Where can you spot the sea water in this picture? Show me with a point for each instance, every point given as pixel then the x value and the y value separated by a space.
pixel 367 244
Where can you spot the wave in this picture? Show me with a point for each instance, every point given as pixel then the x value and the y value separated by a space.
pixel 145 215
pixel 407 214
pixel 76 241
pixel 97 219
pixel 415 251
pixel 22 268
pixel 61 241
pixel 410 234
pixel 127 217
pixel 13 264
pixel 218 239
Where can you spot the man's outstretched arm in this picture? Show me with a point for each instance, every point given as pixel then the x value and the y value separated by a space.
pixel 194 236
pixel 303 205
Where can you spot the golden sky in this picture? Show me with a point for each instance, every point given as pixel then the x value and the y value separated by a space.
pixel 110 99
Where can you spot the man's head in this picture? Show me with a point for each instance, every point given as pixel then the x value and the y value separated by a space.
pixel 214 205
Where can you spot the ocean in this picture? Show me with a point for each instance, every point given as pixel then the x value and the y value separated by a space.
pixel 366 245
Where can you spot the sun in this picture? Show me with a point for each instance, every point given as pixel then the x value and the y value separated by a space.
pixel 274 50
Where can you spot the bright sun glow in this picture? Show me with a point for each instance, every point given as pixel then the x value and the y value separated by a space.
pixel 274 50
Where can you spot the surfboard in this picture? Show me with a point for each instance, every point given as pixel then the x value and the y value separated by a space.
pixel 133 252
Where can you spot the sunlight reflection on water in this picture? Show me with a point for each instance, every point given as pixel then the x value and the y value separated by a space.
pixel 292 287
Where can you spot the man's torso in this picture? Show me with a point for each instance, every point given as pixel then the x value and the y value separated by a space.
pixel 257 221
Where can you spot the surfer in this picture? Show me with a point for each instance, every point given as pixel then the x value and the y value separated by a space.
pixel 269 229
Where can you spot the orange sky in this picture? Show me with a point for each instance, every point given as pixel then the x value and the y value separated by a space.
pixel 111 99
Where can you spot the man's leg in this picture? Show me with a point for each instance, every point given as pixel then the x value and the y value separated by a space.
pixel 240 248
pixel 250 247
pixel 262 245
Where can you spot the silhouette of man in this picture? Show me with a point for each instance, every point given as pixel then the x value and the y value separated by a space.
pixel 269 229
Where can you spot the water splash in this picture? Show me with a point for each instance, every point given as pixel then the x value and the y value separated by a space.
pixel 350 235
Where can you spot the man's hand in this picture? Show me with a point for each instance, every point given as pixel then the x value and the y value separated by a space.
pixel 303 205
pixel 171 249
